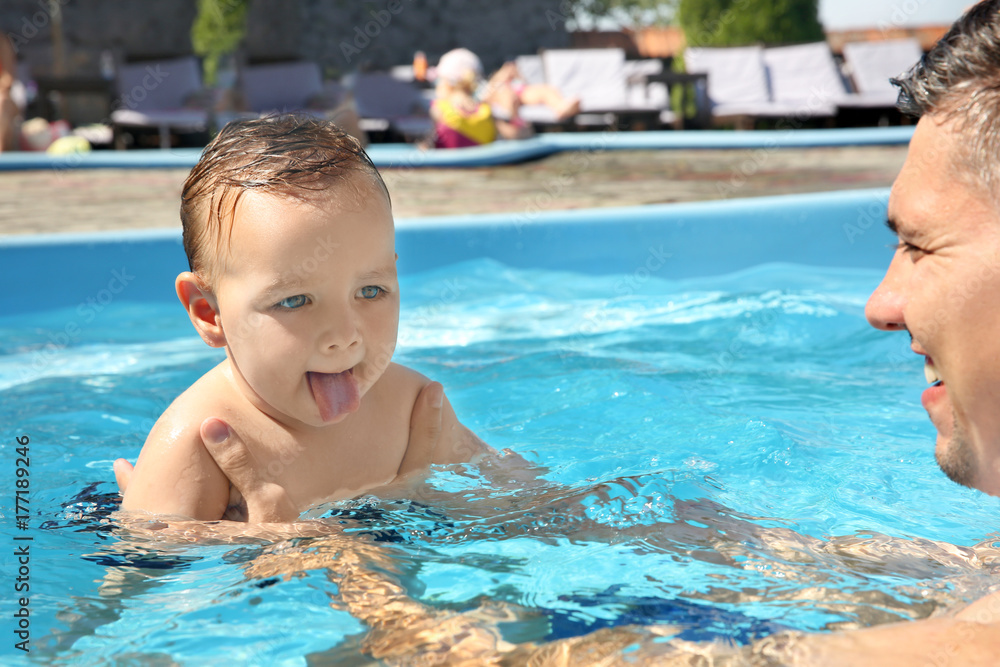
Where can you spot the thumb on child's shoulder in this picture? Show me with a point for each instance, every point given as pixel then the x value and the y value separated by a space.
pixel 433 394
pixel 266 501
pixel 214 431
pixel 227 449
pixel 425 429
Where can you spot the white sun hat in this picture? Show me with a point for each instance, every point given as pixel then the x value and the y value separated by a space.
pixel 458 66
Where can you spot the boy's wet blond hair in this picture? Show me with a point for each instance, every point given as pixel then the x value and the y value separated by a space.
pixel 287 154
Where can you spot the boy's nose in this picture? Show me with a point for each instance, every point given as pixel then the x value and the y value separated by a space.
pixel 342 332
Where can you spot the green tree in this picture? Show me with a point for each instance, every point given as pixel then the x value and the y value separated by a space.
pixel 745 22
pixel 217 31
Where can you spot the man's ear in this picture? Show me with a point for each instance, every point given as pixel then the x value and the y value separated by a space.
pixel 201 307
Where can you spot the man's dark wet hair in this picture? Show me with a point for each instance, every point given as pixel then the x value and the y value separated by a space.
pixel 960 79
pixel 287 154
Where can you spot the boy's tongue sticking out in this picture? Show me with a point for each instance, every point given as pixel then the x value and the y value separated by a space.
pixel 336 394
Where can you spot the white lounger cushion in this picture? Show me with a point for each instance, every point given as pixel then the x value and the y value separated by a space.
pixel 806 78
pixel 595 76
pixel 185 119
pixel 531 69
pixel 736 76
pixel 871 65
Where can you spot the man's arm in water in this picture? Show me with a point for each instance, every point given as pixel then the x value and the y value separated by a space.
pixel 938 642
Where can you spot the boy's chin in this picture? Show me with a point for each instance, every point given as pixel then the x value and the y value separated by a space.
pixel 315 418
pixel 343 416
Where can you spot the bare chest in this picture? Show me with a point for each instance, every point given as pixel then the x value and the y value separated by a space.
pixel 340 461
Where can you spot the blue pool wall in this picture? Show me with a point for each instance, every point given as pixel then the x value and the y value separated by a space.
pixel 672 241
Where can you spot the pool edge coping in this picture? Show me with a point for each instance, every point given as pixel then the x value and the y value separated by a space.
pixel 474 220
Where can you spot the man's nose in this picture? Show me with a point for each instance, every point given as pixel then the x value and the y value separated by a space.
pixel 885 306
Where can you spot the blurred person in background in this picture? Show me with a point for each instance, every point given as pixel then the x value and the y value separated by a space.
pixel 460 119
pixel 8 109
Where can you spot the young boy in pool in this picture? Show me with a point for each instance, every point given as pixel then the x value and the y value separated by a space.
pixel 289 236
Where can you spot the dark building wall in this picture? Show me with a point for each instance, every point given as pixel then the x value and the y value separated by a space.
pixel 375 35
pixel 134 29
pixel 341 35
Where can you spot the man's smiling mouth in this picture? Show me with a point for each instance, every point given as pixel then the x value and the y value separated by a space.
pixel 930 373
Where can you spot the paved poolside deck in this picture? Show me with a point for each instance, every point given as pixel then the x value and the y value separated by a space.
pixel 113 199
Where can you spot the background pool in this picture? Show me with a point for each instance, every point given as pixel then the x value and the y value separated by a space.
pixel 735 453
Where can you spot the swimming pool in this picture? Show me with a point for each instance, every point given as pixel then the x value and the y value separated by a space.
pixel 727 446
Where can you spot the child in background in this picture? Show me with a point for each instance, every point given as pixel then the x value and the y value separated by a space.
pixel 470 112
pixel 506 92
pixel 460 119
pixel 289 235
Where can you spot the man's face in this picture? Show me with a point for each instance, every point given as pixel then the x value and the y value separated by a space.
pixel 309 301
pixel 943 286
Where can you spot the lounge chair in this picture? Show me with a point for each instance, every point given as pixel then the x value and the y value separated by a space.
pixel 531 69
pixel 162 94
pixel 532 72
pixel 804 81
pixel 737 81
pixel 642 93
pixel 598 78
pixel 746 83
pixel 386 103
pixel 295 86
pixel 637 71
pixel 870 65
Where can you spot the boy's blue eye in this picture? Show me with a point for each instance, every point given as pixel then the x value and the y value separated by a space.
pixel 370 291
pixel 293 302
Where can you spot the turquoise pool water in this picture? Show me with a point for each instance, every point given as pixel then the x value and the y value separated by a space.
pixel 735 455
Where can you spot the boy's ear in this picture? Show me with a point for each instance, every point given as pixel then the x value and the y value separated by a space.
pixel 201 307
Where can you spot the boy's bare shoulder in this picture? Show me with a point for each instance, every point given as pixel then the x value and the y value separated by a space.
pixel 400 386
pixel 175 474
pixel 209 396
pixel 407 377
